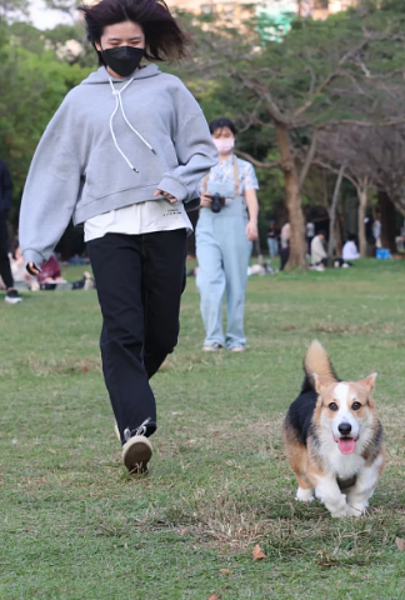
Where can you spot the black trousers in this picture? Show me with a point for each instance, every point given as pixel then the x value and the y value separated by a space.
pixel 5 269
pixel 139 280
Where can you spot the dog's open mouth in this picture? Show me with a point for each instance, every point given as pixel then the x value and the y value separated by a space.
pixel 347 445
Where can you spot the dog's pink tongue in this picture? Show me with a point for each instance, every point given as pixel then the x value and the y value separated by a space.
pixel 346 445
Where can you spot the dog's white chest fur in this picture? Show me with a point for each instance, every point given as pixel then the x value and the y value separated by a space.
pixel 345 466
pixel 335 463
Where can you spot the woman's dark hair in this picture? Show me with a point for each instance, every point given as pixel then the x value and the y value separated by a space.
pixel 220 123
pixel 165 40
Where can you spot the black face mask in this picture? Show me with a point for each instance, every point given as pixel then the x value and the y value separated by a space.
pixel 123 60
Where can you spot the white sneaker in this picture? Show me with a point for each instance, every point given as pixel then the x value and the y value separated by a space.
pixel 13 297
pixel 136 453
pixel 211 347
pixel 137 450
pixel 237 349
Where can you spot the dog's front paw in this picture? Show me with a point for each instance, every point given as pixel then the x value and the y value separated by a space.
pixel 355 511
pixel 339 514
pixel 303 495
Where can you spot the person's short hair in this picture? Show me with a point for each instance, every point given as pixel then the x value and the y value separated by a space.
pixel 322 232
pixel 164 38
pixel 351 237
pixel 220 123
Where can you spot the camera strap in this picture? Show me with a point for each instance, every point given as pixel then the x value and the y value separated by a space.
pixel 235 175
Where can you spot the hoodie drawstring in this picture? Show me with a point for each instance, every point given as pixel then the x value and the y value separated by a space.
pixel 119 105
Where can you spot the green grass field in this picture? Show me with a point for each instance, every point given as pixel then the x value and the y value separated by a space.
pixel 74 526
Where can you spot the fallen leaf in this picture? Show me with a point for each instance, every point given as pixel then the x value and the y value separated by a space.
pixel 213 597
pixel 258 553
pixel 400 543
pixel 183 531
pixel 225 571
pixel 85 368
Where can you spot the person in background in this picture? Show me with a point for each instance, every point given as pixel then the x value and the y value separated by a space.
pixel 285 235
pixel 284 256
pixel 6 195
pixel 350 251
pixel 19 272
pixel 272 241
pixel 376 229
pixel 50 276
pixel 319 257
pixel 123 153
pixel 50 272
pixel 226 228
pixel 310 233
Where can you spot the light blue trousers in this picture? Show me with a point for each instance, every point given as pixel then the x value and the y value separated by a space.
pixel 272 244
pixel 223 253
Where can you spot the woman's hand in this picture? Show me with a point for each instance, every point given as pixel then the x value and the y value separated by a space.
pixel 169 197
pixel 32 269
pixel 251 231
pixel 206 199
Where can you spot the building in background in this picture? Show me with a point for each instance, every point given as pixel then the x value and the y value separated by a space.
pixel 276 15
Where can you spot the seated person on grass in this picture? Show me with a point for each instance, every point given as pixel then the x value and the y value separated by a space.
pixel 350 251
pixel 319 257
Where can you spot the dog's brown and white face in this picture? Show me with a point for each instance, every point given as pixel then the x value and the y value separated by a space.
pixel 346 409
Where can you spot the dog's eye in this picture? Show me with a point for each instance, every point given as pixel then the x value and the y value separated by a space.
pixel 356 406
pixel 333 406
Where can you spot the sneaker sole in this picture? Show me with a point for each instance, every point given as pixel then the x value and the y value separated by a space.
pixel 12 300
pixel 136 453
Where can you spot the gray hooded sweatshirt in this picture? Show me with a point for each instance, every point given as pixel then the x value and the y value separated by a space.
pixel 104 150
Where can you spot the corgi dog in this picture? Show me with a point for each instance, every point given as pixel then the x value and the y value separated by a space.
pixel 333 439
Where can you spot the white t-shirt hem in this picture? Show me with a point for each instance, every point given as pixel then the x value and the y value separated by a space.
pixel 137 219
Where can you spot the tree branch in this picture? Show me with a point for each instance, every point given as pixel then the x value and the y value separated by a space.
pixel 388 123
pixel 251 119
pixel 317 92
pixel 332 169
pixel 261 91
pixel 330 77
pixel 308 159
pixel 257 163
pixel 309 69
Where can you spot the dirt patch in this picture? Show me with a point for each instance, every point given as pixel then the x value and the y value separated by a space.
pixel 44 367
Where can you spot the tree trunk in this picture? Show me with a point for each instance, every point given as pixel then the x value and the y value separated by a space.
pixel 338 238
pixel 293 199
pixel 387 210
pixel 362 195
pixel 332 214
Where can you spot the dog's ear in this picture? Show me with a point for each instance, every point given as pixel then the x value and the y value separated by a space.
pixel 369 382
pixel 320 383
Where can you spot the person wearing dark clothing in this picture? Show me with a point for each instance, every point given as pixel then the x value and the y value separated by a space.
pixel 284 256
pixel 6 194
pixel 272 241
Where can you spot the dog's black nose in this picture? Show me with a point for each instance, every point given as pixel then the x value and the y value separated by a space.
pixel 345 428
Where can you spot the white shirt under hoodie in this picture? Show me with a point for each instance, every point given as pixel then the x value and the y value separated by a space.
pixel 146 217
pixel 110 146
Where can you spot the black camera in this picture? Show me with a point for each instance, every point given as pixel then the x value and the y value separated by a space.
pixel 217 202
